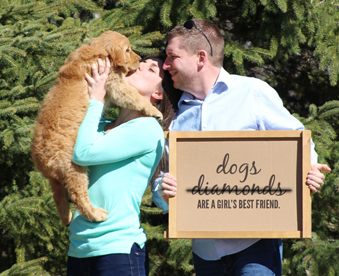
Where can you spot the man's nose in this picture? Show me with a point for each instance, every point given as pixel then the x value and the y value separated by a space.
pixel 166 64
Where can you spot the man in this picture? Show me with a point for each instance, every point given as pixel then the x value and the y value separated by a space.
pixel 215 100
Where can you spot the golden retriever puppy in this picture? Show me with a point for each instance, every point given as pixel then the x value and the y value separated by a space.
pixel 64 109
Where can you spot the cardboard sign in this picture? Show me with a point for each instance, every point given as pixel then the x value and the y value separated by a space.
pixel 240 184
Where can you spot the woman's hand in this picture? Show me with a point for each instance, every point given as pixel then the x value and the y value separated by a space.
pixel 168 187
pixel 96 84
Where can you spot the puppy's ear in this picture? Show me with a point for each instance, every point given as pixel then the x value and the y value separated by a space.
pixel 118 58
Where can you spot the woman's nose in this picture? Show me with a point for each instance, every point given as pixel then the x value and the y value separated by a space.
pixel 141 66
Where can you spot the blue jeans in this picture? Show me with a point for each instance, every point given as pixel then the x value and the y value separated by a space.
pixel 260 259
pixel 134 264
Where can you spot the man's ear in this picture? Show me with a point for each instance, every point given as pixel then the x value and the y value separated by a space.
pixel 202 57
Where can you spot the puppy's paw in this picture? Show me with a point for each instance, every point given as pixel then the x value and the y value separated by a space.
pixel 154 112
pixel 69 220
pixel 158 118
pixel 100 214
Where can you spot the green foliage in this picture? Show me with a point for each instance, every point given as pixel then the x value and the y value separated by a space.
pixel 291 44
pixel 319 255
pixel 327 37
pixel 163 15
pixel 36 37
pixel 27 268
pixel 314 257
pixel 167 257
pixel 30 220
pixel 141 42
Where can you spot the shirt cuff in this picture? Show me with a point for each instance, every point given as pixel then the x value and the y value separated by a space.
pixel 159 202
pixel 314 155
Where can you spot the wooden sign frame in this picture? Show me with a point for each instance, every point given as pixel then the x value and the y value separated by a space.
pixel 301 225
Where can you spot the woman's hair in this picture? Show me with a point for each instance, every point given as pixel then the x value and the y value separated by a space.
pixel 168 106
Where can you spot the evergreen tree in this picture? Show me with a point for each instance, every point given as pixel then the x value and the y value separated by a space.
pixel 319 255
pixel 293 45
pixel 167 257
pixel 36 37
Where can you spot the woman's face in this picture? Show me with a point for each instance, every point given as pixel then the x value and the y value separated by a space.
pixel 147 78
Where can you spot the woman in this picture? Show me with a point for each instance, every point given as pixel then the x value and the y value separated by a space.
pixel 122 156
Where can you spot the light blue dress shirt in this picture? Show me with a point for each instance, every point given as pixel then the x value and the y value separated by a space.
pixel 234 103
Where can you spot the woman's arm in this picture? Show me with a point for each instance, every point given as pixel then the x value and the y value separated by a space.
pixel 130 139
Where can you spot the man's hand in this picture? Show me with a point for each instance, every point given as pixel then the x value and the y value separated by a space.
pixel 168 187
pixel 315 178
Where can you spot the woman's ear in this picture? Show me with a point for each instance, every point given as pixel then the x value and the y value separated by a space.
pixel 157 96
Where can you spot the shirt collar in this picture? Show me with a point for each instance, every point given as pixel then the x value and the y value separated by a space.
pixel 222 84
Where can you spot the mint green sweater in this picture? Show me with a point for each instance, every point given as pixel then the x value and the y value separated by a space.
pixel 121 164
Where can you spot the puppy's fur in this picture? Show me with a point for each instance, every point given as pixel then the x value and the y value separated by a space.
pixel 64 109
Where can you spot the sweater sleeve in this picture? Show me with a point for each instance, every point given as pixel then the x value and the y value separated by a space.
pixel 131 139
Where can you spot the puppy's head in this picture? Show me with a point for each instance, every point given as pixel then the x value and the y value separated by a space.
pixel 118 49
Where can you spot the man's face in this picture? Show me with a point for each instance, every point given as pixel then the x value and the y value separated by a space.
pixel 181 65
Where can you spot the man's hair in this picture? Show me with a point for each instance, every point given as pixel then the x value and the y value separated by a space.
pixel 192 40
